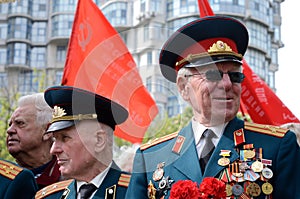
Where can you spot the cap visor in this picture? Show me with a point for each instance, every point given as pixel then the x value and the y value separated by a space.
pixel 56 126
pixel 205 63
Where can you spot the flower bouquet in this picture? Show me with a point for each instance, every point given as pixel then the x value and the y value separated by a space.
pixel 210 188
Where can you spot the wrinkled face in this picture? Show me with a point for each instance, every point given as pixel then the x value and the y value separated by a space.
pixel 74 151
pixel 213 102
pixel 24 133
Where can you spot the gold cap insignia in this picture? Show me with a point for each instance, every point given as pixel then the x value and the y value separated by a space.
pixel 58 112
pixel 219 46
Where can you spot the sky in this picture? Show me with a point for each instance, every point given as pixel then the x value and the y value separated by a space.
pixel 287 79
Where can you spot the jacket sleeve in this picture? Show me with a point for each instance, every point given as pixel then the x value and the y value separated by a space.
pixel 287 173
pixel 137 188
pixel 23 186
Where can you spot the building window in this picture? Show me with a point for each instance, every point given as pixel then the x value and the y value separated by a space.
pixel 155 5
pixel 19 28
pixel 61 52
pixel 39 8
pixel 62 25
pixel 28 83
pixel 2 56
pixel 39 30
pixel 3 31
pixel 146 32
pixel 18 53
pixel 149 84
pixel 64 6
pixel 38 57
pixel 3 80
pixel 149 58
pixel 143 5
pixel 58 77
pixel 116 13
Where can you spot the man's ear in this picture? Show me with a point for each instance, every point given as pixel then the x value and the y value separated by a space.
pixel 101 141
pixel 47 136
pixel 183 88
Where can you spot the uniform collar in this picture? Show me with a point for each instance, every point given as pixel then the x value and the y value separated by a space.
pixel 198 130
pixel 97 181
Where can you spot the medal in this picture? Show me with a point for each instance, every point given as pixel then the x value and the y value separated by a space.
pixel 243 167
pixel 257 166
pixel 228 190
pixel 253 189
pixel 249 154
pixel 267 188
pixel 151 190
pixel 159 172
pixel 237 190
pixel 223 161
pixel 267 173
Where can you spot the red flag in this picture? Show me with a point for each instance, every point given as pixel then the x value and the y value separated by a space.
pixel 204 8
pixel 258 101
pixel 261 102
pixel 99 61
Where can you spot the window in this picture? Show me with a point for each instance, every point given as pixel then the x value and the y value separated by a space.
pixel 149 84
pixel 38 57
pixel 146 32
pixel 61 53
pixel 39 30
pixel 18 53
pixel 149 58
pixel 2 56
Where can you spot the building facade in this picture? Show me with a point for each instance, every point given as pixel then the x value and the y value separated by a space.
pixel 34 37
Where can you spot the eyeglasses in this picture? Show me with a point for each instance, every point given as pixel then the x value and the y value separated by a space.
pixel 217 75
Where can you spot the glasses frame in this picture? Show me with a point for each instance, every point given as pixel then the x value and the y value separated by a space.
pixel 235 77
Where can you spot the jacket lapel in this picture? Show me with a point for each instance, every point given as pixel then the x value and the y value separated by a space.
pixel 72 192
pixel 110 179
pixel 226 143
pixel 188 163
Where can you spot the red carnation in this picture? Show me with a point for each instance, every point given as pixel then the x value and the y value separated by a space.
pixel 212 188
pixel 183 189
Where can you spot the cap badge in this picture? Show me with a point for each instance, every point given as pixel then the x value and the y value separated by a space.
pixel 219 46
pixel 58 112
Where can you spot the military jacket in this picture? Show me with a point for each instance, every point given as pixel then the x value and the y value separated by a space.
pixel 16 182
pixel 114 186
pixel 158 165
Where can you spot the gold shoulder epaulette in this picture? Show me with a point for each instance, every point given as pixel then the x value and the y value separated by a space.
pixel 156 141
pixel 9 169
pixel 266 129
pixel 124 180
pixel 53 188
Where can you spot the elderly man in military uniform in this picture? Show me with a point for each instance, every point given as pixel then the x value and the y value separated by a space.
pixel 82 126
pixel 16 182
pixel 204 58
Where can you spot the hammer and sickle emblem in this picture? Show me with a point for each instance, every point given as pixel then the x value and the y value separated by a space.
pixel 85 34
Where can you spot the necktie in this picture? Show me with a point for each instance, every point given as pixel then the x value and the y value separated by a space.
pixel 86 190
pixel 207 149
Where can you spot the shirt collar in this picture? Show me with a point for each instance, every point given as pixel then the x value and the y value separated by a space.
pixel 97 180
pixel 198 130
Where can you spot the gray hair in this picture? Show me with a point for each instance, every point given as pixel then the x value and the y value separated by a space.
pixel 43 110
pixel 182 72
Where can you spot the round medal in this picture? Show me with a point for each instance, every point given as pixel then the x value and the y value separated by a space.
pixel 249 154
pixel 158 174
pixel 223 161
pixel 253 189
pixel 257 166
pixel 237 190
pixel 267 188
pixel 228 190
pixel 267 173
